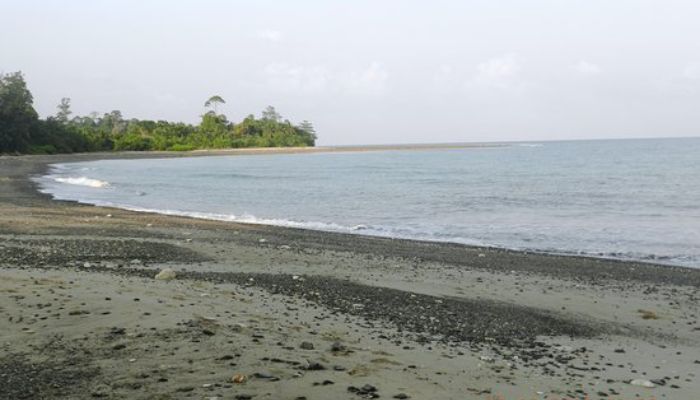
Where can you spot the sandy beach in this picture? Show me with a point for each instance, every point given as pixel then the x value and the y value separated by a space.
pixel 260 312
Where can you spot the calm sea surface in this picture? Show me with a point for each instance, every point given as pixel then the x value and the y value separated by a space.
pixel 627 199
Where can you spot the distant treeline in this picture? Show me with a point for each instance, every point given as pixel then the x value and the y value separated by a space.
pixel 22 131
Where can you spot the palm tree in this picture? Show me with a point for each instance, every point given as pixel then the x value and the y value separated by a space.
pixel 214 101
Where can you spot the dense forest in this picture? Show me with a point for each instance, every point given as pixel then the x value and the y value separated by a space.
pixel 22 131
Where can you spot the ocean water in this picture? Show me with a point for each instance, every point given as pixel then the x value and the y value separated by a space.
pixel 625 199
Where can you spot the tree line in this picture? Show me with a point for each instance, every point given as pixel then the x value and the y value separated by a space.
pixel 23 132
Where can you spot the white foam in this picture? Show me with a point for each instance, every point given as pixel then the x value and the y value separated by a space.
pixel 83 181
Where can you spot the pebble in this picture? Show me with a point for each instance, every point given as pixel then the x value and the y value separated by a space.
pixel 101 390
pixel 642 382
pixel 166 274
pixel 306 346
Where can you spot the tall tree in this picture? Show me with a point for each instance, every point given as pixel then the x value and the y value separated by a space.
pixel 17 115
pixel 213 102
pixel 270 114
pixel 64 111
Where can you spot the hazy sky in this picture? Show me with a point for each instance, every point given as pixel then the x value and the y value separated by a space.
pixel 373 71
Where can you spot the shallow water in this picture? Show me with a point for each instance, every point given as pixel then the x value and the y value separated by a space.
pixel 627 199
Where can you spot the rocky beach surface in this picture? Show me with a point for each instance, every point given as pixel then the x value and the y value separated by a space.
pixel 114 304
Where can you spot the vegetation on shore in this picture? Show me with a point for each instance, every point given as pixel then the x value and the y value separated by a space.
pixel 22 131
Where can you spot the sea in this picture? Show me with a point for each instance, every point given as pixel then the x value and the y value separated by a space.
pixel 620 199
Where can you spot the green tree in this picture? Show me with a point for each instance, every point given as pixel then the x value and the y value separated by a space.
pixel 17 115
pixel 63 110
pixel 270 114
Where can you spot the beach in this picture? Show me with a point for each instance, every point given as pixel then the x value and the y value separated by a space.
pixel 263 312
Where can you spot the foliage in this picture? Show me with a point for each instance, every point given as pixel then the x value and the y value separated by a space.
pixel 21 130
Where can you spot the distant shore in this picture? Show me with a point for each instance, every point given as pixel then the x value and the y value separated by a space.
pixel 307 314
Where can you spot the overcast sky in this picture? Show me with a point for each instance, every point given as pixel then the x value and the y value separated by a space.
pixel 373 71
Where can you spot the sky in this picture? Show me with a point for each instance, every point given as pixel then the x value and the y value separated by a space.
pixel 372 72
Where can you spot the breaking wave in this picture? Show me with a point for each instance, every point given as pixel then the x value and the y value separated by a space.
pixel 83 181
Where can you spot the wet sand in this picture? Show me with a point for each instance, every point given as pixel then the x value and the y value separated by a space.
pixel 275 313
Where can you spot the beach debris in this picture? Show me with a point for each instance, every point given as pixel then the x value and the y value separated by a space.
pixel 262 240
pixel 108 215
pixel 647 314
pixel 642 382
pixel 239 378
pixel 165 274
pixel 306 346
pixel 482 255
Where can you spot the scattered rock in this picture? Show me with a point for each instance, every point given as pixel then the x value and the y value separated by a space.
pixel 166 274
pixel 306 346
pixel 337 346
pixel 314 366
pixel 239 378
pixel 642 382
pixel 101 390
pixel 367 391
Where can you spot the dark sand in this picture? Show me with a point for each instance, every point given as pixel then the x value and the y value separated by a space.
pixel 305 314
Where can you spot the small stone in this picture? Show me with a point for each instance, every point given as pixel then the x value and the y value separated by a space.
pixel 265 375
pixel 306 346
pixel 101 390
pixel 642 382
pixel 314 366
pixel 368 388
pixel 337 346
pixel 239 378
pixel 166 274
pixel 401 396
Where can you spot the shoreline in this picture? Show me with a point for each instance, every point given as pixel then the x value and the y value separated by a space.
pixel 424 319
pixel 44 169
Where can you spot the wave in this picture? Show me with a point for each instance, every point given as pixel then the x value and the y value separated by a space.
pixel 530 145
pixel 83 181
